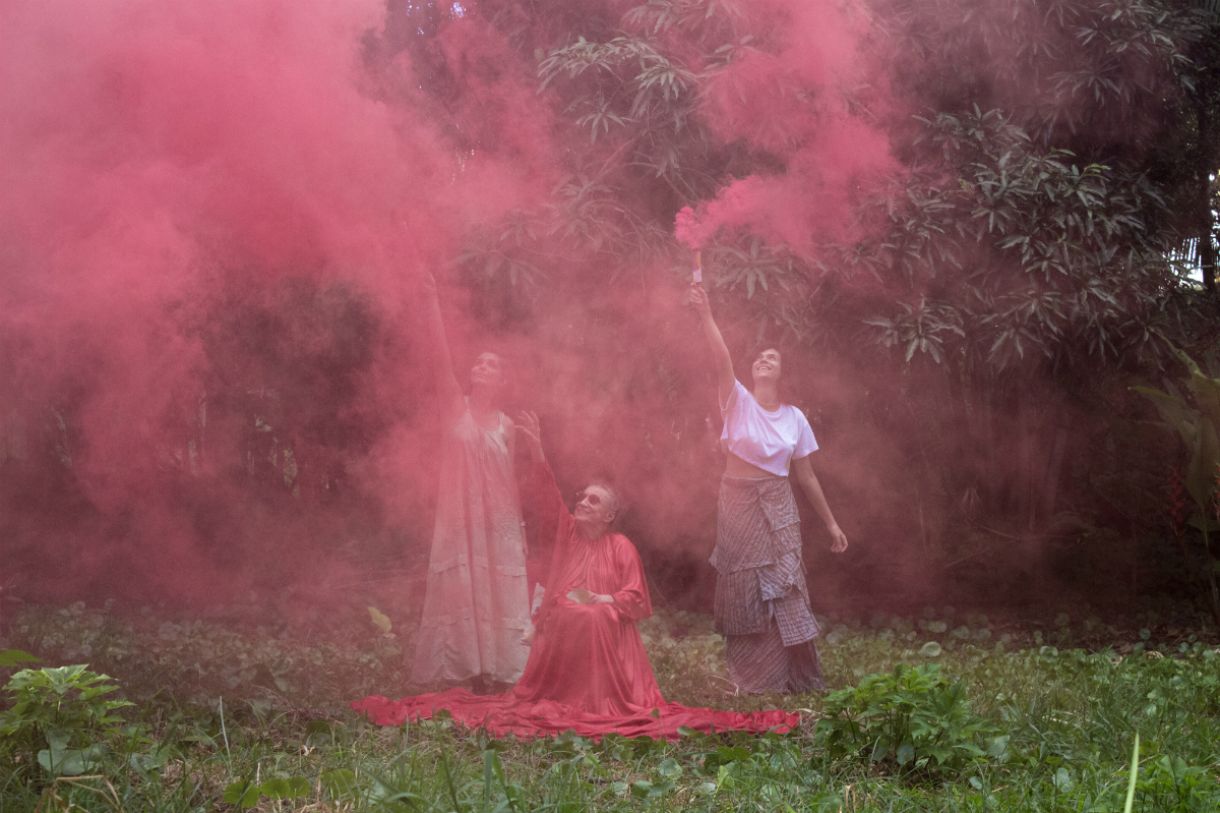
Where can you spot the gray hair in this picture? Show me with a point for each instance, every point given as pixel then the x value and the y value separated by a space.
pixel 616 500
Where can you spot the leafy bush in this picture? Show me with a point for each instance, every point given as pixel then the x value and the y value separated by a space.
pixel 67 710
pixel 912 720
pixel 1171 785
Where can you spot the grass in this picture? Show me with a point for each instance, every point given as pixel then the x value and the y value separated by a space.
pixel 230 716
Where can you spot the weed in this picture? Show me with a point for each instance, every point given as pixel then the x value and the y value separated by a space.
pixel 62 717
pixel 1056 727
pixel 912 720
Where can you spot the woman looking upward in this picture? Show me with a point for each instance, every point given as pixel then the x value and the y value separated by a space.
pixel 762 599
pixel 476 606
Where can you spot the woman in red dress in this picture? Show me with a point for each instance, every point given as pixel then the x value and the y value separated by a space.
pixel 587 652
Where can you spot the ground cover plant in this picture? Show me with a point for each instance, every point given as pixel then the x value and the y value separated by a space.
pixel 943 711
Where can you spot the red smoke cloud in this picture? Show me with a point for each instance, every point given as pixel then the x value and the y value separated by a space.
pixel 809 95
pixel 173 165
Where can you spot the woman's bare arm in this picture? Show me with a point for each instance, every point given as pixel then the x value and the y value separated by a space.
pixel 448 389
pixel 725 379
pixel 802 470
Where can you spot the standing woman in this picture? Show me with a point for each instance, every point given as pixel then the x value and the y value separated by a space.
pixel 476 607
pixel 762 599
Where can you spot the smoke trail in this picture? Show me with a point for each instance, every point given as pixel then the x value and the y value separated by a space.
pixel 211 241
pixel 809 94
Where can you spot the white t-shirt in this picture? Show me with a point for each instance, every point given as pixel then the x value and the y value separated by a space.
pixel 769 440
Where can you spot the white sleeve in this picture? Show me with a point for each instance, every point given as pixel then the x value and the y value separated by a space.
pixel 806 443
pixel 734 399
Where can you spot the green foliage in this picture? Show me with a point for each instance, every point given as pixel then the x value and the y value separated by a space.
pixel 913 720
pixel 1168 784
pixel 245 794
pixel 1092 74
pixel 1066 716
pixel 1195 418
pixel 1025 257
pixel 1133 775
pixel 66 709
pixel 15 657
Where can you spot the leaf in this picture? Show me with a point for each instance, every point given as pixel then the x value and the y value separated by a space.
pixel 1202 521
pixel 71 761
pixel 669 768
pixel 641 788
pixel 380 620
pixel 1174 411
pixel 242 793
pixel 13 657
pixel 339 782
pixel 290 787
pixel 1204 460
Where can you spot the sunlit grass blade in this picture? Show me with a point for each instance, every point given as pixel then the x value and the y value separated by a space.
pixel 1135 770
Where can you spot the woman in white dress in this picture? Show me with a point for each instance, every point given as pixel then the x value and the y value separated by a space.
pixel 476 606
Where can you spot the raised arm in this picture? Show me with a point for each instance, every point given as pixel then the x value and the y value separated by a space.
pixel 550 500
pixel 448 389
pixel 725 380
pixel 802 470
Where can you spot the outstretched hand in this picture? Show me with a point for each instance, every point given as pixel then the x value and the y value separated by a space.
pixel 696 297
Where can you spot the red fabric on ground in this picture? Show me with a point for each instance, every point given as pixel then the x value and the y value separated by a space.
pixel 587 670
pixel 505 714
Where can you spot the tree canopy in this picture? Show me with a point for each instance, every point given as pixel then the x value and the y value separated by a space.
pixel 978 225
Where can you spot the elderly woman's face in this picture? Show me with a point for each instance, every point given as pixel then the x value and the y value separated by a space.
pixel 767 365
pixel 488 371
pixel 595 505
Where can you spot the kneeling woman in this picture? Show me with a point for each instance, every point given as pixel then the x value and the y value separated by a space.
pixel 587 652
pixel 762 600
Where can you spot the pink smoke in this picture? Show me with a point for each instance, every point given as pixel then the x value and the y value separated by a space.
pixel 177 159
pixel 810 95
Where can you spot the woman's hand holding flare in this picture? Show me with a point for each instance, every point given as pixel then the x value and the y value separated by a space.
pixel 696 297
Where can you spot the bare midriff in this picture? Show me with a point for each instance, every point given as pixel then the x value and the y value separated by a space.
pixel 734 466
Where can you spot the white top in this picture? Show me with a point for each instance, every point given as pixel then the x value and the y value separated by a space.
pixel 769 440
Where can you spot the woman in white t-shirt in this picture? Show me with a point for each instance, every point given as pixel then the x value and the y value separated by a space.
pixel 762 599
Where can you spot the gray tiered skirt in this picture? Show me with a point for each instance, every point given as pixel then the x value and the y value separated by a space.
pixel 762 600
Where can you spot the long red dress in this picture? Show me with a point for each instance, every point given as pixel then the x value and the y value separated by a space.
pixel 587 670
